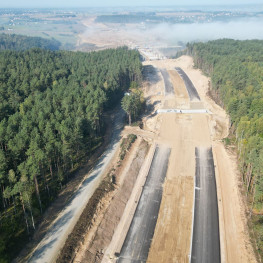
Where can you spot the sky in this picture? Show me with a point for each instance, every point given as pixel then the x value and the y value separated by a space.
pixel 99 3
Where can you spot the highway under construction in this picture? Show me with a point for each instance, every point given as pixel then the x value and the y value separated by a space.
pixel 180 202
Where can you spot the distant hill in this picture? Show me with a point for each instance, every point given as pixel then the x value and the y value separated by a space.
pixel 19 43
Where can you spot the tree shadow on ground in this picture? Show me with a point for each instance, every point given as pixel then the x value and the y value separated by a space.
pixel 150 74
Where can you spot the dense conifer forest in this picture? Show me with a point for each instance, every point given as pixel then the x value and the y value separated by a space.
pixel 51 108
pixel 236 70
pixel 19 43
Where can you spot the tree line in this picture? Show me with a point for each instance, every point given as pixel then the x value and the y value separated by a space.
pixel 20 42
pixel 133 102
pixel 236 70
pixel 51 116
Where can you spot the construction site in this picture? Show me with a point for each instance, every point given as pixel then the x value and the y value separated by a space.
pixel 186 185
pixel 177 196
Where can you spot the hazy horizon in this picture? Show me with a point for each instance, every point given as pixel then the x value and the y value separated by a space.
pixel 119 3
pixel 245 22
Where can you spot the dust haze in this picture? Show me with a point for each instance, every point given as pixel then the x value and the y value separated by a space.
pixel 168 35
pixel 240 30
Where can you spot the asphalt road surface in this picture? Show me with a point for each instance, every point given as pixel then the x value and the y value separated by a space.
pixel 48 249
pixel 139 237
pixel 169 89
pixel 193 94
pixel 206 240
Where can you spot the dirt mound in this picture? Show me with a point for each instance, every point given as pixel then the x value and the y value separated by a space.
pixel 68 252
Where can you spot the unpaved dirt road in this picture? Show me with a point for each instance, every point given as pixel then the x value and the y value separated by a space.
pixel 237 242
pixel 49 247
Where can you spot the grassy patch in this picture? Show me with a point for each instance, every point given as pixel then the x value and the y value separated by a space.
pixel 126 145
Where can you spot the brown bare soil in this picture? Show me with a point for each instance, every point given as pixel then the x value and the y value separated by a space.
pixel 171 242
pixel 84 223
pixel 107 219
pixel 174 220
pixel 110 35
pixel 178 83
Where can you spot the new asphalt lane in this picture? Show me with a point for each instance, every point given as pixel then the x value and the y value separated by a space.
pixel 169 89
pixel 138 240
pixel 205 240
pixel 193 94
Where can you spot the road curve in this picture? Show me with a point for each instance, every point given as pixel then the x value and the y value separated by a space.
pixel 193 94
pixel 139 237
pixel 50 246
pixel 205 240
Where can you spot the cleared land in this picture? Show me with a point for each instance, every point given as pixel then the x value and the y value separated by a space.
pixel 112 207
pixel 237 242
pixel 172 238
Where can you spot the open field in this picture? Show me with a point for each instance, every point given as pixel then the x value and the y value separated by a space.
pixel 61 25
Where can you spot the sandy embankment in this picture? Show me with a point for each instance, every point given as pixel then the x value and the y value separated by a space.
pixel 185 134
